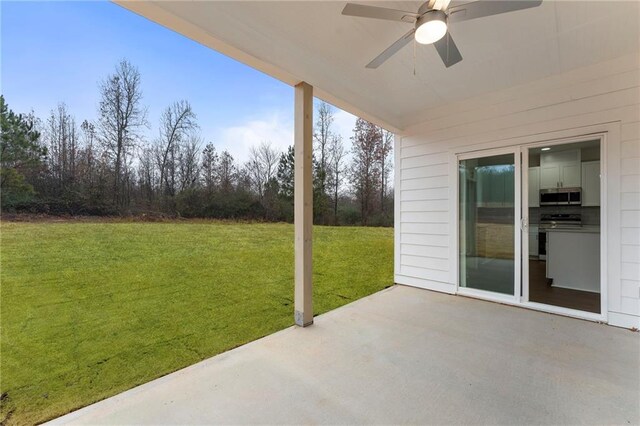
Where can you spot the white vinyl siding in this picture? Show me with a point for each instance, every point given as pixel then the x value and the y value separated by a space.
pixel 630 217
pixel 424 216
pixel 574 103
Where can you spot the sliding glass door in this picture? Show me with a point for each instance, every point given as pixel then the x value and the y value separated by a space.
pixel 489 240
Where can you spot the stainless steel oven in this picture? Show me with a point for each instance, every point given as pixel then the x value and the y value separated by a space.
pixel 561 197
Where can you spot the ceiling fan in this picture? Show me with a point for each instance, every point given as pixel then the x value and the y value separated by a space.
pixel 431 21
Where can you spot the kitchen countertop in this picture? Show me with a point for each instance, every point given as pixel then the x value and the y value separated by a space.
pixel 587 228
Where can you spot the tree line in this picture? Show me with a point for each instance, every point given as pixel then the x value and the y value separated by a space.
pixel 58 165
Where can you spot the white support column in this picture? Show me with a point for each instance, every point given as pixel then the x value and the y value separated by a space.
pixel 303 204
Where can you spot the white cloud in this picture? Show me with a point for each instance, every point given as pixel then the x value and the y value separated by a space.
pixel 343 123
pixel 275 129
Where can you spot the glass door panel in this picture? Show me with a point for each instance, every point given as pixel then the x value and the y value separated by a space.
pixel 487 232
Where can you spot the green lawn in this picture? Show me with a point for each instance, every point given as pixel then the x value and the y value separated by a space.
pixel 90 309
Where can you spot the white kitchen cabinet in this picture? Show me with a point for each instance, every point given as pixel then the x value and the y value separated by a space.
pixel 591 183
pixel 560 169
pixel 534 186
pixel 549 176
pixel 570 175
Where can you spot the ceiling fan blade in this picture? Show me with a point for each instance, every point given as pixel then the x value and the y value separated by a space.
pixel 360 10
pixel 448 50
pixel 482 8
pixel 392 50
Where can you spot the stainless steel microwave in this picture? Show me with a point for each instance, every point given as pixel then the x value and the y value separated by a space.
pixel 561 197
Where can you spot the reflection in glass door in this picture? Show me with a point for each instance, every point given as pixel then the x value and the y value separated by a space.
pixel 487 217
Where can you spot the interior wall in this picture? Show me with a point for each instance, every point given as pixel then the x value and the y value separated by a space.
pixel 605 95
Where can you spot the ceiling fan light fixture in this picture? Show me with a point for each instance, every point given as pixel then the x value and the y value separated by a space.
pixel 431 27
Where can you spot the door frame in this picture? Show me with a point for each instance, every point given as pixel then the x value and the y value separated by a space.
pixel 484 294
pixel 520 146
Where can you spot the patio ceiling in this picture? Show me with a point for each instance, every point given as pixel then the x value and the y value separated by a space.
pixel 311 41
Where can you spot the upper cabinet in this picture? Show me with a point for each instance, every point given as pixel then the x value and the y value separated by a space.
pixel 549 176
pixel 560 169
pixel 591 183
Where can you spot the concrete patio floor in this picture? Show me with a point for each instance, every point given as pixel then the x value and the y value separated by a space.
pixel 403 355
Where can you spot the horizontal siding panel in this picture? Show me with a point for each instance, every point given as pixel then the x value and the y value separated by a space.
pixel 425 251
pixel 630 236
pixel 630 271
pixel 630 289
pixel 422 239
pixel 418 150
pixel 630 218
pixel 630 305
pixel 428 206
pixel 427 228
pixel 630 253
pixel 425 217
pixel 430 182
pixel 425 284
pixel 630 131
pixel 630 183
pixel 425 274
pixel 630 201
pixel 424 194
pixel 425 262
pixel 630 166
pixel 630 149
pixel 431 170
pixel 439 158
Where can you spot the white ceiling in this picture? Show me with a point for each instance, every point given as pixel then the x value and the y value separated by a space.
pixel 312 41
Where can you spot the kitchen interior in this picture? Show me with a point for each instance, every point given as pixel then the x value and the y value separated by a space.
pixel 564 225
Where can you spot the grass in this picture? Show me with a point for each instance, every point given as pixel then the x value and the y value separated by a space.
pixel 90 309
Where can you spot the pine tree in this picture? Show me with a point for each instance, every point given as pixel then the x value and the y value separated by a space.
pixel 20 153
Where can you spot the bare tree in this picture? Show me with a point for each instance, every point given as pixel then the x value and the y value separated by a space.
pixel 93 165
pixel 384 156
pixel 63 139
pixel 88 154
pixel 147 173
pixel 365 172
pixel 176 123
pixel 121 116
pixel 188 162
pixel 322 137
pixel 262 166
pixel 337 168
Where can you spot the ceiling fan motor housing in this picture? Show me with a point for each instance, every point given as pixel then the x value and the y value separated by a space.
pixel 430 15
pixel 431 26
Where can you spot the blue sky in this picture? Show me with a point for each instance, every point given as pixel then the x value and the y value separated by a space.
pixel 56 52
